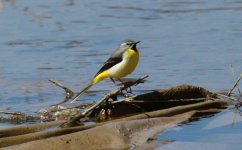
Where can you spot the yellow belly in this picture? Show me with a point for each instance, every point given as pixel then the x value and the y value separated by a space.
pixel 126 66
pixel 122 69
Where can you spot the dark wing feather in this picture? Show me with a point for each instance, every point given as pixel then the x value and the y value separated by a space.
pixel 109 63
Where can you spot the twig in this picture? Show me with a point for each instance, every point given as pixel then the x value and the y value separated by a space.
pixel 234 78
pixel 17 117
pixel 13 113
pixel 87 111
pixel 79 106
pixel 236 84
pixel 170 100
pixel 229 97
pixel 69 92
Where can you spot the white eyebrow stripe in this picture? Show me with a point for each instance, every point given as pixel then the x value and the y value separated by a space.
pixel 124 44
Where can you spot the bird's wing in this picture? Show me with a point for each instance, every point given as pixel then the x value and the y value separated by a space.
pixel 109 63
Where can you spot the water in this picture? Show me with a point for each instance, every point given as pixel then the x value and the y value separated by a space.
pixel 183 41
pixel 220 132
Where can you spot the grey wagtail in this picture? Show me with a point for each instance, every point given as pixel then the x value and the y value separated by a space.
pixel 121 63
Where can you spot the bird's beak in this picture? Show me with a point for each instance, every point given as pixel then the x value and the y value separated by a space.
pixel 134 46
pixel 137 42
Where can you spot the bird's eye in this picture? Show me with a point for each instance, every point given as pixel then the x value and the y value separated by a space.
pixel 128 43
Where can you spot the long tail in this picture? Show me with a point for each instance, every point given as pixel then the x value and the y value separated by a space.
pixel 82 91
pixel 95 80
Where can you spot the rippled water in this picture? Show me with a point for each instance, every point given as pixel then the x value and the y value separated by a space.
pixel 183 41
pixel 222 132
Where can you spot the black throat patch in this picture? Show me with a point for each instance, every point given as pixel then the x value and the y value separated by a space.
pixel 134 48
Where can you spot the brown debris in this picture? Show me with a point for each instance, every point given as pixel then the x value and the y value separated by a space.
pixel 156 100
pixel 167 104
pixel 116 135
pixel 159 113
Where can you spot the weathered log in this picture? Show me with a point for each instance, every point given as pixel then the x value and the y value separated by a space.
pixel 156 100
pixel 28 129
pixel 113 135
pixel 8 141
pixel 180 109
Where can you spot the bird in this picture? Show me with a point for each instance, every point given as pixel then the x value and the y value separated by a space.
pixel 120 64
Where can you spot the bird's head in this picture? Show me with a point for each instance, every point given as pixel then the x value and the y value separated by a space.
pixel 129 44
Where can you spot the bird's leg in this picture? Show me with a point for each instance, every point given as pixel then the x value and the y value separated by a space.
pixel 114 81
pixel 128 90
pixel 119 86
pixel 121 82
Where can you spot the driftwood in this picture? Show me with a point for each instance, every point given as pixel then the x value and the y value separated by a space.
pixel 179 95
pixel 160 99
pixel 156 100
pixel 114 135
pixel 104 109
pixel 160 103
pixel 113 95
pixel 101 111
pixel 101 134
pixel 28 129
pixel 7 141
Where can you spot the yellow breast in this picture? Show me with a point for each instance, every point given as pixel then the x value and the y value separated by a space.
pixel 132 58
pixel 126 66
